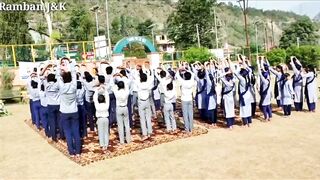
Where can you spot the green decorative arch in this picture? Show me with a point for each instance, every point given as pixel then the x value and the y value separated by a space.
pixel 118 49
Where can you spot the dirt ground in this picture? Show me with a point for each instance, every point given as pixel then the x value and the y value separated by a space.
pixel 286 148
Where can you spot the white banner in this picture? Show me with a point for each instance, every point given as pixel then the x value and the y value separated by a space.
pixel 26 68
pixel 100 44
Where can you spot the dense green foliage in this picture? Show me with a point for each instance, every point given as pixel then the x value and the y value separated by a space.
pixel 182 23
pixel 308 55
pixel 194 54
pixel 276 56
pixel 81 26
pixel 135 50
pixel 302 29
pixel 144 28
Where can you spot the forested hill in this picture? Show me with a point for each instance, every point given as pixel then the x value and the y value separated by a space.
pixel 126 15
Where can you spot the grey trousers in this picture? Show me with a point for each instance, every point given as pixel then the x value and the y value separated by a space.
pixel 123 124
pixel 187 111
pixel 103 131
pixel 145 117
pixel 153 107
pixel 134 101
pixel 169 117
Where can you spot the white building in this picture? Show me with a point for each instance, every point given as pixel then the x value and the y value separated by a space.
pixel 164 44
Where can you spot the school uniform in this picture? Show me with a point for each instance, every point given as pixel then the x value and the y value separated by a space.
pixel 163 82
pixel 156 95
pixel 277 87
pixel 211 101
pixel 297 83
pixel 88 103
pixel 287 94
pixel 81 111
pixel 311 90
pixel 265 95
pixel 168 111
pixel 44 112
pixel 102 114
pixel 30 99
pixel 36 105
pixel 252 91
pixel 187 100
pixel 122 113
pixel 228 100
pixel 53 105
pixel 144 108
pixel 69 112
pixel 110 81
pixel 244 99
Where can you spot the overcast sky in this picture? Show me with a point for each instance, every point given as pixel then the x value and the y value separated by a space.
pixel 308 7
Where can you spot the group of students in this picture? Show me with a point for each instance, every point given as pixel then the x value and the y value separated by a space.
pixel 66 99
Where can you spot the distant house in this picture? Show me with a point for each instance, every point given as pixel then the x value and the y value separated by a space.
pixel 164 44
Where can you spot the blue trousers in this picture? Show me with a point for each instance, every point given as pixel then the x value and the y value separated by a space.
pixel 311 106
pixel 112 110
pixel 44 120
pixel 286 110
pixel 246 120
pixel 267 111
pixel 212 116
pixel 230 121
pixel 278 103
pixel 53 119
pixel 70 123
pixel 31 111
pixel 298 106
pixel 36 111
pixel 157 104
pixel 90 113
pixel 82 121
pixel 203 114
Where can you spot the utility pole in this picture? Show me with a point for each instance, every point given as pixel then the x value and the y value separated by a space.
pixel 244 8
pixel 298 42
pixel 272 33
pixel 198 35
pixel 108 31
pixel 266 34
pixel 216 28
pixel 257 47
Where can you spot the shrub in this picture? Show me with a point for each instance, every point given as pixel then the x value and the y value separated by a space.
pixel 197 54
pixel 276 56
pixel 7 78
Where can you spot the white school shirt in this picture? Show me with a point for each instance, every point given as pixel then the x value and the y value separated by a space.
pixel 170 96
pixel 121 95
pixel 102 109
pixel 186 87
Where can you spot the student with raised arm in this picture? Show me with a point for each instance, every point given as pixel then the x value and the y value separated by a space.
pixel 121 92
pixel 168 111
pixel 211 100
pixel 311 87
pixel 101 102
pixel 88 85
pixel 287 95
pixel 34 91
pixel 53 102
pixel 201 94
pixel 280 78
pixel 227 101
pixel 297 83
pixel 68 107
pixel 265 89
pixel 244 94
pixel 187 84
pixel 81 107
pixel 144 84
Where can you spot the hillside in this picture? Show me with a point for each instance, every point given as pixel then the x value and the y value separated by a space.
pixel 230 19
pixel 317 17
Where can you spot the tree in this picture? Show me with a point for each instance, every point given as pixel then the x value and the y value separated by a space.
pixel 182 23
pixel 144 28
pixel 308 55
pixel 276 56
pixel 194 54
pixel 81 26
pixel 303 29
